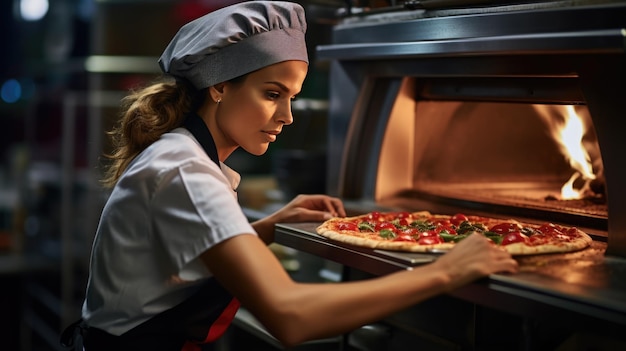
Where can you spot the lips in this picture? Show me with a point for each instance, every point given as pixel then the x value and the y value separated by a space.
pixel 272 134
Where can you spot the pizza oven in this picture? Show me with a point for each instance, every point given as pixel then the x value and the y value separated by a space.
pixel 505 109
pixel 484 112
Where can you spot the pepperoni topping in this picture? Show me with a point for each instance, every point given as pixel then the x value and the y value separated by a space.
pixel 429 233
pixel 537 239
pixel 385 225
pixel 351 226
pixel 430 240
pixel 505 228
pixel 458 218
pixel 405 237
pixel 374 216
pixel 403 215
pixel 410 231
pixel 513 237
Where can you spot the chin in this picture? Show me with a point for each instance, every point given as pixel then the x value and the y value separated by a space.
pixel 257 151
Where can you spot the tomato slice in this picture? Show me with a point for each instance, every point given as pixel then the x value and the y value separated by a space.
pixel 441 222
pixel 403 222
pixel 348 226
pixel 410 231
pixel 458 218
pixel 430 240
pixel 505 228
pixel 537 239
pixel 374 216
pixel 429 233
pixel 401 215
pixel 551 229
pixel 513 237
pixel 385 225
pixel 573 231
pixel 404 237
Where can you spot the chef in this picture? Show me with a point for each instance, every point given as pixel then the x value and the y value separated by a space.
pixel 174 255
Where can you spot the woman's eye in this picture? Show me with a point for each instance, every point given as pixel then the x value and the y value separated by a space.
pixel 273 95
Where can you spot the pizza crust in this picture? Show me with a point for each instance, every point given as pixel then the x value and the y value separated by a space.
pixel 349 239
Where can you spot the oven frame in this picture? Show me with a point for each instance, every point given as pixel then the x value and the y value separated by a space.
pixel 580 51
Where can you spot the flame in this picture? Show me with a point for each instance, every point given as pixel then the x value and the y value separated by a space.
pixel 569 136
pixel 568 192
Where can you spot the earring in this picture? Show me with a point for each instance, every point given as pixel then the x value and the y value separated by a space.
pixel 219 100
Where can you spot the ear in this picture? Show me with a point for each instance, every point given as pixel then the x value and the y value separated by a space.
pixel 216 91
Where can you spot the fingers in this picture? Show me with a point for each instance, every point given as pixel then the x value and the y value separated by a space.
pixel 331 205
pixel 334 206
pixel 507 264
pixel 477 256
pixel 510 266
pixel 310 208
pixel 501 260
pixel 306 215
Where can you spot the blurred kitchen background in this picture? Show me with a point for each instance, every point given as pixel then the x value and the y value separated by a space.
pixel 64 66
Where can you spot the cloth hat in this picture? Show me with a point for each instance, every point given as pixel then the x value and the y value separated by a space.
pixel 236 40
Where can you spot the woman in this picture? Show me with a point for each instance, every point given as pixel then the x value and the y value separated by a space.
pixel 174 255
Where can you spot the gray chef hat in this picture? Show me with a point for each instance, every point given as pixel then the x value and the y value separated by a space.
pixel 236 40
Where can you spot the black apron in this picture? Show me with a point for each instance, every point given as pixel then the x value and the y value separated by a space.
pixel 198 320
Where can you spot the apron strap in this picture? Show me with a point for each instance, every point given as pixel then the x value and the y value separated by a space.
pixel 72 336
pixel 217 329
pixel 198 128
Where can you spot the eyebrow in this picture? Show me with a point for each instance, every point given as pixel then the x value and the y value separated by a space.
pixel 282 86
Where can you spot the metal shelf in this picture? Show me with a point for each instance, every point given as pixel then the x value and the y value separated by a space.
pixel 594 291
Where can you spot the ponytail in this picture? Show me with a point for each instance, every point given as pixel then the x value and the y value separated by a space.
pixel 146 115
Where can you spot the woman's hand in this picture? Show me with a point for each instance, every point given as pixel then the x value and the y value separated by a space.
pixel 472 258
pixel 303 208
pixel 310 208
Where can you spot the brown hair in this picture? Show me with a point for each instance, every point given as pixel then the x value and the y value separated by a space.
pixel 146 114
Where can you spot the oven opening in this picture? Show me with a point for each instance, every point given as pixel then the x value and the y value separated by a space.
pixel 539 160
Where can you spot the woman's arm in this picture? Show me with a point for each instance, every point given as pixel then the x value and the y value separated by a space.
pixel 295 312
pixel 303 208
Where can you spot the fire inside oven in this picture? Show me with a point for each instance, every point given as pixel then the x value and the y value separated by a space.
pixel 543 158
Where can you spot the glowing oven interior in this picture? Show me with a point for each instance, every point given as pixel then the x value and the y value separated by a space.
pixel 536 156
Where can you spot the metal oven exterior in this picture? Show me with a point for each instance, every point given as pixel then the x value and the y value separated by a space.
pixel 555 53
pixel 572 55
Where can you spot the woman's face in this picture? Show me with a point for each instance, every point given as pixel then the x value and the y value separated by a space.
pixel 252 113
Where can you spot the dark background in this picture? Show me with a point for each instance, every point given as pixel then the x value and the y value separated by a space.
pixel 54 111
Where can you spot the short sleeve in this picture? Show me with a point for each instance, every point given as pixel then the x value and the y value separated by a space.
pixel 194 208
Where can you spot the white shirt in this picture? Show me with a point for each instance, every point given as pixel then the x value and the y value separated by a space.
pixel 171 204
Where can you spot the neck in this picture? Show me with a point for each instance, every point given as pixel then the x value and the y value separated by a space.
pixel 224 148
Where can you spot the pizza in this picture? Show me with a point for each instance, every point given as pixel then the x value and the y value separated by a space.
pixel 426 232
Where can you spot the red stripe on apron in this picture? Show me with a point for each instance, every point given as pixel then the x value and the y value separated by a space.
pixel 218 327
pixel 189 346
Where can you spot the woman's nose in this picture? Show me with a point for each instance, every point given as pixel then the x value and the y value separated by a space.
pixel 284 114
